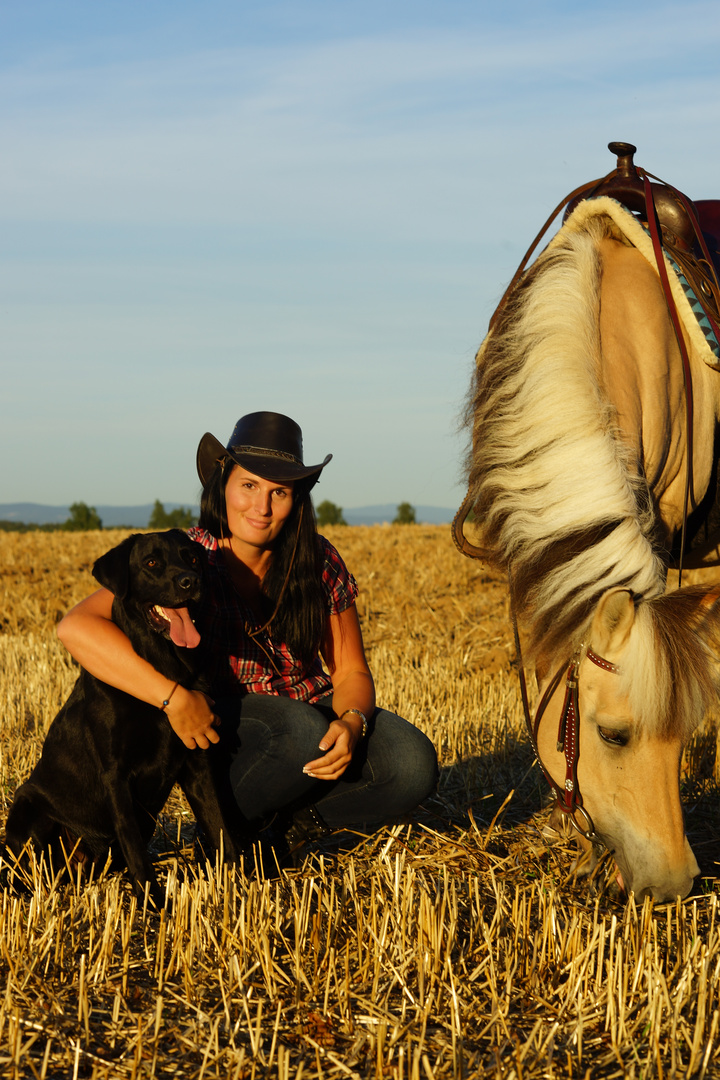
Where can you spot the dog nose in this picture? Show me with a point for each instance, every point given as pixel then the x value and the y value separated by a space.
pixel 186 581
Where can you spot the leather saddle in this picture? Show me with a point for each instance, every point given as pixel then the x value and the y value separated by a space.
pixel 690 231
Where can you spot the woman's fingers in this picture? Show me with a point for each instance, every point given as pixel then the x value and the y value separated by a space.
pixel 192 719
pixel 339 744
pixel 330 772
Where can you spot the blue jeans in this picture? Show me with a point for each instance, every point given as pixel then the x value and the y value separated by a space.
pixel 272 737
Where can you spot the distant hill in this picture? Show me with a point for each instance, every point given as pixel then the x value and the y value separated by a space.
pixel 137 517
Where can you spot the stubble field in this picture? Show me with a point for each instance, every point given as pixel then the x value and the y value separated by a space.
pixel 457 943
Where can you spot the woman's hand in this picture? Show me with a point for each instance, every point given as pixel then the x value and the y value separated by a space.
pixel 190 714
pixel 340 741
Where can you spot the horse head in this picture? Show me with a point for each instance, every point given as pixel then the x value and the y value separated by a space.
pixel 643 677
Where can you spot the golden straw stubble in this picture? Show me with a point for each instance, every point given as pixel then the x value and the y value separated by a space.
pixel 456 943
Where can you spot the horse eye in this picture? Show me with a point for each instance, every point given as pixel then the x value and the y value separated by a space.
pixel 613 737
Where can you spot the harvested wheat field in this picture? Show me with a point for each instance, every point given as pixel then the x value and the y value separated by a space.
pixel 455 944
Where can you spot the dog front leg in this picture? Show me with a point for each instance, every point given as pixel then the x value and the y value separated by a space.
pixel 132 843
pixel 218 817
pixel 30 821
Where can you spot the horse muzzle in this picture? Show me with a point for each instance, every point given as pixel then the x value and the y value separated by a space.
pixel 653 875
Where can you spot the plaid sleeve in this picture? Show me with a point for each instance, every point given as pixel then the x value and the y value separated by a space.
pixel 339 585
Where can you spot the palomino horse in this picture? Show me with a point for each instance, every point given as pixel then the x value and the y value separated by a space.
pixel 579 484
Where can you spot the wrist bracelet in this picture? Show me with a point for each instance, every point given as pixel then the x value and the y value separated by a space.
pixel 165 703
pixel 362 717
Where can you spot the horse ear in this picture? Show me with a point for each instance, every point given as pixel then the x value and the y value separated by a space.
pixel 113 568
pixel 612 621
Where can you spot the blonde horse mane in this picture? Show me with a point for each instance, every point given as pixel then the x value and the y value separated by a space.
pixel 560 502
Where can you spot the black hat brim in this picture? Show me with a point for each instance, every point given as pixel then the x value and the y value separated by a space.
pixel 267 465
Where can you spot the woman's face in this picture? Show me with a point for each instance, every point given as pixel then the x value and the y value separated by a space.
pixel 256 508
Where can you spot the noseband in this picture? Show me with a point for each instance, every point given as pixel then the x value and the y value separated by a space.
pixel 569 800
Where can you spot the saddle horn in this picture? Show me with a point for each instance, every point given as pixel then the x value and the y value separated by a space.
pixel 627 186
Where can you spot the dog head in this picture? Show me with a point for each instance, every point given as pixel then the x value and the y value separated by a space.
pixel 158 577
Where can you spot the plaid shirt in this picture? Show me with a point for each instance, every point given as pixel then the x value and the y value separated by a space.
pixel 259 665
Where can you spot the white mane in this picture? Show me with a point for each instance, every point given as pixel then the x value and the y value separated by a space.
pixel 559 501
pixel 556 498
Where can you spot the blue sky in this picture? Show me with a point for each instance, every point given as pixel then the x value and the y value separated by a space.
pixel 212 208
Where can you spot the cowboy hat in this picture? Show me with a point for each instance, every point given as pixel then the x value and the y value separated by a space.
pixel 267 444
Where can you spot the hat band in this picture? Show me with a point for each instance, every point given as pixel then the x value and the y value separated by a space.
pixel 266 452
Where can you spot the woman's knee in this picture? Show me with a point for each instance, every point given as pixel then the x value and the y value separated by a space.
pixel 404 756
pixel 424 766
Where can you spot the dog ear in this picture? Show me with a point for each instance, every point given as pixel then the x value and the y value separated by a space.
pixel 113 568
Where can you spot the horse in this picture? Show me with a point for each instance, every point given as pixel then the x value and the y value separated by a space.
pixel 583 471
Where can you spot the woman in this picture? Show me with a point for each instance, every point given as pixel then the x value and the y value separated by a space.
pixel 280 599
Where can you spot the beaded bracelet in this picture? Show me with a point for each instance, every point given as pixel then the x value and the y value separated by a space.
pixel 165 703
pixel 362 717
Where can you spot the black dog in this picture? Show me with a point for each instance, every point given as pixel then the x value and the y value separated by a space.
pixel 109 761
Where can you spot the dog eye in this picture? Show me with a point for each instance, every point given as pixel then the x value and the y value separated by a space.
pixel 613 737
pixel 150 563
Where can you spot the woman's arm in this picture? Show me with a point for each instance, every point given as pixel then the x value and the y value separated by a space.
pixel 353 688
pixel 94 640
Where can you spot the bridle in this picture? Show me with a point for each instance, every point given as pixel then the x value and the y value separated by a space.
pixel 568 798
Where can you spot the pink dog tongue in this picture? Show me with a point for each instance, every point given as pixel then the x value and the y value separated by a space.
pixel 182 628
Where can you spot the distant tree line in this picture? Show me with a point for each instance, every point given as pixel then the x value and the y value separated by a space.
pixel 84 518
pixel 328 513
pixel 405 515
pixel 179 518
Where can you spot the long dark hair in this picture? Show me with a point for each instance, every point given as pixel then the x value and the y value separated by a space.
pixel 292 594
